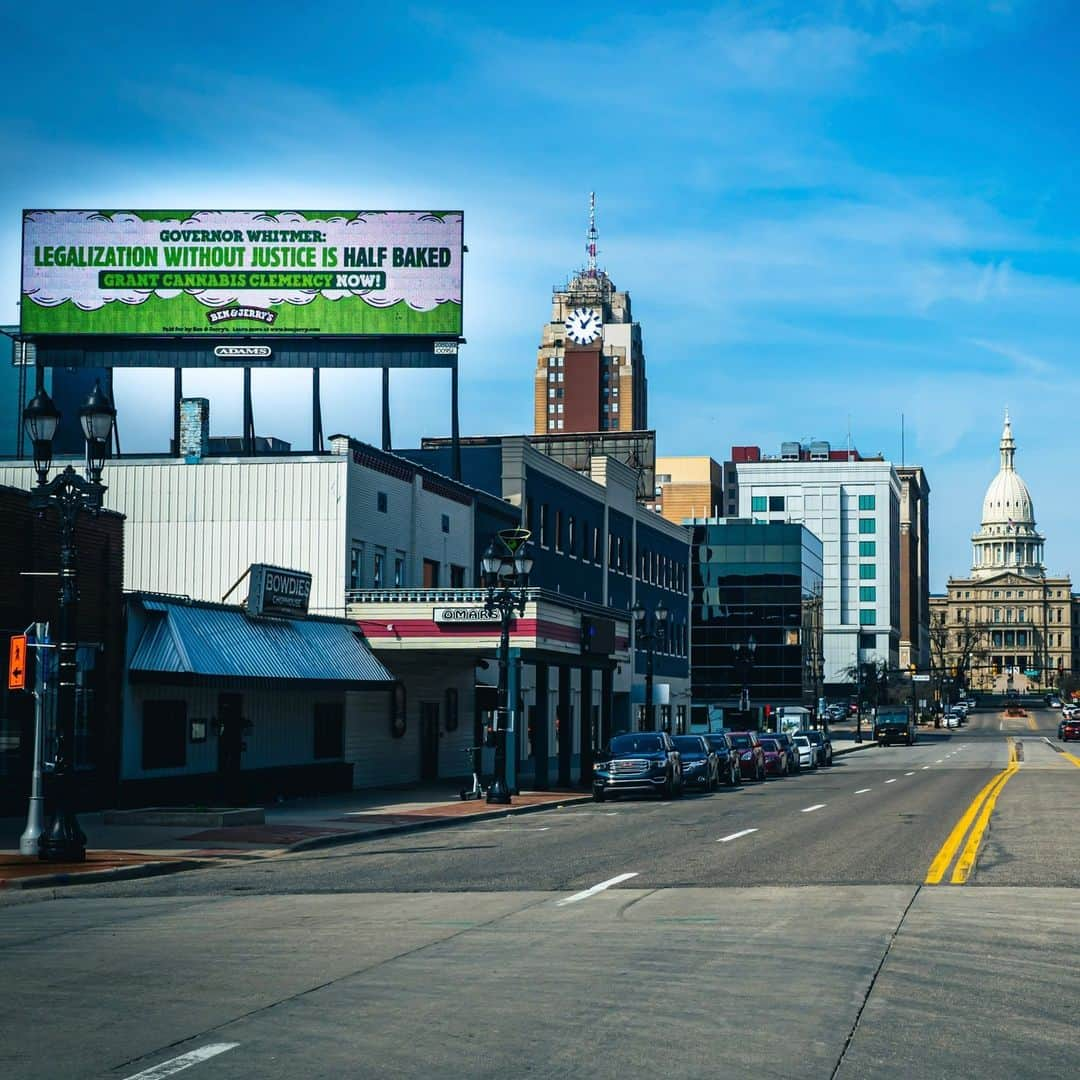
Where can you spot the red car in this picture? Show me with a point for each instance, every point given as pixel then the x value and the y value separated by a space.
pixel 1070 730
pixel 751 754
pixel 776 763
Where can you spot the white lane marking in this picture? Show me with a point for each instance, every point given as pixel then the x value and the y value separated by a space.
pixel 816 806
pixel 892 781
pixel 862 791
pixel 909 774
pixel 939 761
pixel 925 767
pixel 735 835
pixel 584 895
pixel 184 1061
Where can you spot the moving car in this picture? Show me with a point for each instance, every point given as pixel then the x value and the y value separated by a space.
pixel 1054 702
pixel 1070 729
pixel 751 755
pixel 727 757
pixel 806 750
pixel 894 724
pixel 776 762
pixel 640 761
pixel 699 763
pixel 822 745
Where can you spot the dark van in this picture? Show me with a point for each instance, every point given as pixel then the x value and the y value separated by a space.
pixel 894 724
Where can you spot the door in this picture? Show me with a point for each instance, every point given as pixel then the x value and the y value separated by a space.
pixel 429 740
pixel 230 744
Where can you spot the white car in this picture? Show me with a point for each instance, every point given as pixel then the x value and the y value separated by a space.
pixel 807 755
pixel 950 720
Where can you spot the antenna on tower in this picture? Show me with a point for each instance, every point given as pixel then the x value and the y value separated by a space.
pixel 591 236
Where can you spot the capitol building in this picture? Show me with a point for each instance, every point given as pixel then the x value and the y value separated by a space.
pixel 1007 624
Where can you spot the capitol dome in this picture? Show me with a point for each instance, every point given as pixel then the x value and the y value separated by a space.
pixel 1007 538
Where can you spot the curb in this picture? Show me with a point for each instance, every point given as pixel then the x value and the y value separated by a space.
pixel 114 873
pixel 338 839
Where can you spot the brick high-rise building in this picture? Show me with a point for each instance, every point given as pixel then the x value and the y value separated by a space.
pixel 590 367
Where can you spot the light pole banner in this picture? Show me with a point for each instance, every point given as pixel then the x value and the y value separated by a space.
pixel 218 272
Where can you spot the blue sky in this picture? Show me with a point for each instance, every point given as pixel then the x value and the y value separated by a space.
pixel 825 213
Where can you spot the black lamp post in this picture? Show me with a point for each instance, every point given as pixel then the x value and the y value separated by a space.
pixel 648 631
pixel 744 670
pixel 63 840
pixel 506 576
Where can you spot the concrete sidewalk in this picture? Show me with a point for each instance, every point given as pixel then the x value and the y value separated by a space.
pixel 134 850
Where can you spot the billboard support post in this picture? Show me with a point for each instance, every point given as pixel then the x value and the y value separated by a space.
pixel 455 432
pixel 387 440
pixel 178 396
pixel 249 416
pixel 316 412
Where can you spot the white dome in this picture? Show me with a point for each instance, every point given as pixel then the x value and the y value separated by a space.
pixel 1007 538
pixel 1007 498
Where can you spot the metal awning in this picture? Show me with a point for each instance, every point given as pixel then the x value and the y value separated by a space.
pixel 186 641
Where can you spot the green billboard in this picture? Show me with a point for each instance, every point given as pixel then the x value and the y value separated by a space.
pixel 188 273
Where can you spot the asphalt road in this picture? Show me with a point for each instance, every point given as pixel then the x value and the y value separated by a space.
pixel 778 930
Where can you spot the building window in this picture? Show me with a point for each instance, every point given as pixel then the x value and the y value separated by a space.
pixel 997 614
pixel 1021 615
pixel 868 592
pixel 596 557
pixel 356 566
pixel 776 502
pixel 868 549
pixel 867 641
pixel 867 525
pixel 867 617
pixel 164 734
pixel 558 531
pixel 759 504
pixel 377 581
pixel 1021 638
pixel 867 502
pixel 381 502
pixel 867 571
pixel 399 572
pixel 571 546
pixel 431 574
pixel 545 537
pixel 329 730
pixel 446 523
pixel 457 577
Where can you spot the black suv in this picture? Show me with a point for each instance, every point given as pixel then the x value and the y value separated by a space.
pixel 727 758
pixel 639 761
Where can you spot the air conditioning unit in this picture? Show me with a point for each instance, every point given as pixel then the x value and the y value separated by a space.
pixel 789 451
pixel 819 451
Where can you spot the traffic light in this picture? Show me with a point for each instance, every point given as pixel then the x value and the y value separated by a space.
pixel 911 669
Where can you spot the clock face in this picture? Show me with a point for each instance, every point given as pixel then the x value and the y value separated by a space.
pixel 583 325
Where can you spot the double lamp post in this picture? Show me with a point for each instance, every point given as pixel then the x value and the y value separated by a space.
pixel 506 577
pixel 69 492
pixel 648 632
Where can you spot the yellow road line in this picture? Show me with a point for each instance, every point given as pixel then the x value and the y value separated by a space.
pixel 955 838
pixel 1031 723
pixel 1072 757
pixel 971 848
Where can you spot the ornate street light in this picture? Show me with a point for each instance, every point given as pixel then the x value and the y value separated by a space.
pixel 506 577
pixel 648 632
pixel 63 840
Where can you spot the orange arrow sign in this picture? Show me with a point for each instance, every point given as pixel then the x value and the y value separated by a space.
pixel 17 663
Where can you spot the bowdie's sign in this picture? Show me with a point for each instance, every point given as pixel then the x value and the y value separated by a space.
pixel 463 615
pixel 278 592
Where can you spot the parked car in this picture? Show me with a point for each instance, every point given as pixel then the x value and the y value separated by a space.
pixel 727 757
pixel 640 761
pixel 784 739
pixel 751 755
pixel 776 762
pixel 950 720
pixel 806 750
pixel 1070 729
pixel 1054 702
pixel 699 763
pixel 971 702
pixel 822 744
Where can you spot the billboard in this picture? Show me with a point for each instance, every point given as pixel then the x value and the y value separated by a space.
pixel 188 273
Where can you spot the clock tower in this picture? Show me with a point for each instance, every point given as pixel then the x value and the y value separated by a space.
pixel 590 368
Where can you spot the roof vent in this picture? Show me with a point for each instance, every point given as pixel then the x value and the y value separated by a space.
pixel 789 451
pixel 819 451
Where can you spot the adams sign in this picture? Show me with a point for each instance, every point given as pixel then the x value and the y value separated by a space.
pixel 187 273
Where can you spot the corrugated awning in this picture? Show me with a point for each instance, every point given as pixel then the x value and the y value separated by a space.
pixel 191 640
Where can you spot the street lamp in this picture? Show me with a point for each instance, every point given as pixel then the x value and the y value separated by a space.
pixel 63 840
pixel 744 668
pixel 506 576
pixel 648 631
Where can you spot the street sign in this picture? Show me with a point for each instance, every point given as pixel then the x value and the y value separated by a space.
pixel 920 678
pixel 17 662
pixel 514 538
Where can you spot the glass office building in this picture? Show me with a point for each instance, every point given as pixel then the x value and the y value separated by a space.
pixel 756 620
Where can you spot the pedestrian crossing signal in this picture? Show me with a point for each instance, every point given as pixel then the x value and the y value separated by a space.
pixel 17 662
